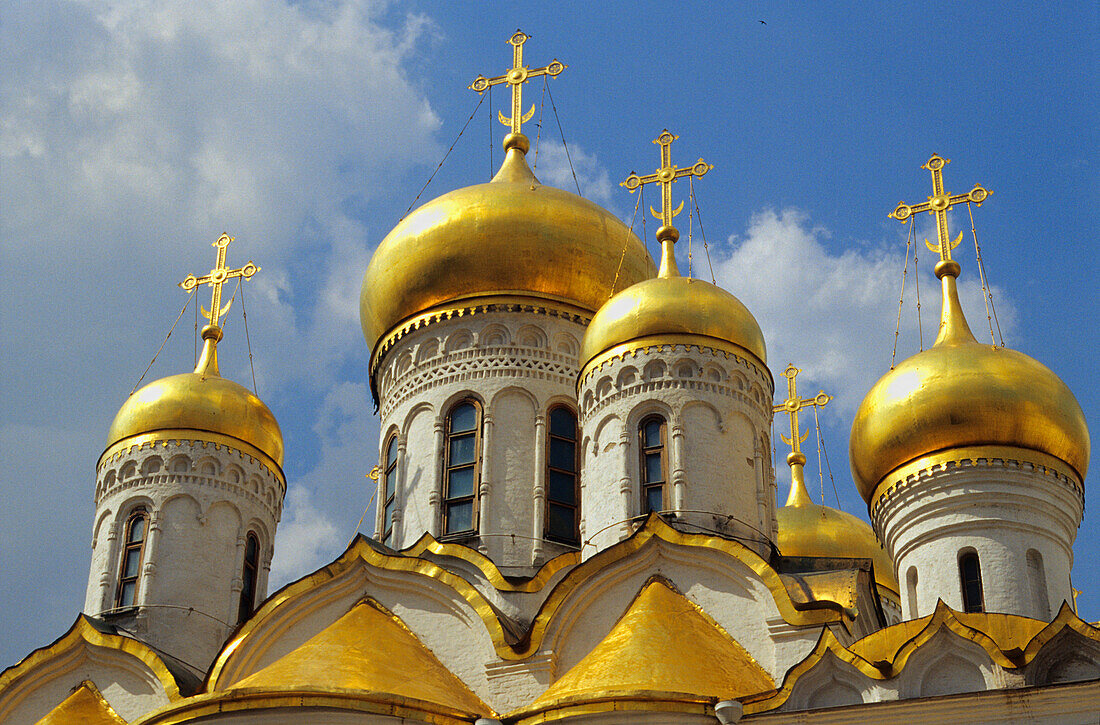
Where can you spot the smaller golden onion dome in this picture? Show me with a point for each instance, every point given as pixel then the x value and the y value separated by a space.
pixel 961 396
pixel 201 401
pixel 512 236
pixel 661 309
pixel 810 529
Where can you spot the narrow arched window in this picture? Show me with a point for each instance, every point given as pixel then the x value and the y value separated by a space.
pixel 654 465
pixel 460 468
pixel 250 573
pixel 911 586
pixel 133 551
pixel 1037 582
pixel 970 573
pixel 389 488
pixel 561 477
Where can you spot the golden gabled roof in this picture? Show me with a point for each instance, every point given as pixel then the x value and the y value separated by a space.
pixel 85 706
pixel 368 650
pixel 664 648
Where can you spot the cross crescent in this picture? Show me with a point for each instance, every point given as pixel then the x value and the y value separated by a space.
pixel 665 176
pixel 217 278
pixel 516 76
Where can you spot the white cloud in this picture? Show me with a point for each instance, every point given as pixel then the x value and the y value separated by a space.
pixel 306 538
pixel 834 314
pixel 552 166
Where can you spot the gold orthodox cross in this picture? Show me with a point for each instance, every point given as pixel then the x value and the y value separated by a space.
pixel 938 204
pixel 516 77
pixel 218 277
pixel 665 176
pixel 792 405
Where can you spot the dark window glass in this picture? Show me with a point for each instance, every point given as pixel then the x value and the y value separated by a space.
pixel 562 507
pixel 249 574
pixel 129 570
pixel 389 488
pixel 651 437
pixel 461 468
pixel 971 573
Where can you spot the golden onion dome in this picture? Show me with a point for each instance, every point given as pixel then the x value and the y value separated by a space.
pixel 201 401
pixel 810 529
pixel 669 307
pixel 511 236
pixel 963 398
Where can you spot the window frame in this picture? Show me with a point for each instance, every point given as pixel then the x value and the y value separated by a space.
pixel 968 605
pixel 142 513
pixel 245 608
pixel 473 497
pixel 389 486
pixel 575 539
pixel 643 450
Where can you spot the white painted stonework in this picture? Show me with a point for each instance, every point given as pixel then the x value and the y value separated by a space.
pixel 203 499
pixel 517 363
pixel 717 407
pixel 1019 518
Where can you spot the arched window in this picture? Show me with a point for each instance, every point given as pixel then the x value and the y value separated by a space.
pixel 389 488
pixel 133 550
pixel 911 586
pixel 460 468
pixel 654 465
pixel 1037 581
pixel 561 477
pixel 249 576
pixel 970 573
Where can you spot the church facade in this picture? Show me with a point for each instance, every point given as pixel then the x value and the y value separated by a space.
pixel 577 517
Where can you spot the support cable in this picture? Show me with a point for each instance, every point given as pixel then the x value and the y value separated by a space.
pixel 901 297
pixel 568 157
pixel 538 126
pixel 987 293
pixel 916 286
pixel 626 241
pixel 190 295
pixel 490 129
pixel 196 363
pixel 702 232
pixel 248 342
pixel 691 212
pixel 481 99
pixel 825 451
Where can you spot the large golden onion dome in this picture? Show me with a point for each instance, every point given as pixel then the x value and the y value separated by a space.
pixel 670 308
pixel 512 236
pixel 201 401
pixel 810 529
pixel 963 399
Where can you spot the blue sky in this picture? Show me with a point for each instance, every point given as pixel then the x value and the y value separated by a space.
pixel 132 134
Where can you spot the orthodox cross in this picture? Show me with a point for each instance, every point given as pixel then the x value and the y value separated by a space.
pixel 218 277
pixel 938 204
pixel 665 176
pixel 792 405
pixel 516 77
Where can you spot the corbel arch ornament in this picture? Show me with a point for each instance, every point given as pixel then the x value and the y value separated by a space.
pixel 1011 641
pixel 43 665
pixel 232 660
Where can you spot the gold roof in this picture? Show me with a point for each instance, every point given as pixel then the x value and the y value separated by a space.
pixel 201 401
pixel 369 650
pixel 510 236
pixel 669 307
pixel 663 648
pixel 810 529
pixel 85 706
pixel 961 393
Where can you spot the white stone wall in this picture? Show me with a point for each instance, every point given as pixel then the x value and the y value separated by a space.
pixel 717 407
pixel 1000 509
pixel 203 499
pixel 517 362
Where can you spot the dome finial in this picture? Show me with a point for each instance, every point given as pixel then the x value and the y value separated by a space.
pixel 953 327
pixel 666 175
pixel 516 76
pixel 796 459
pixel 212 333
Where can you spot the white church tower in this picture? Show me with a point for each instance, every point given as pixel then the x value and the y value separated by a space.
pixel 675 399
pixel 474 307
pixel 188 494
pixel 971 458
